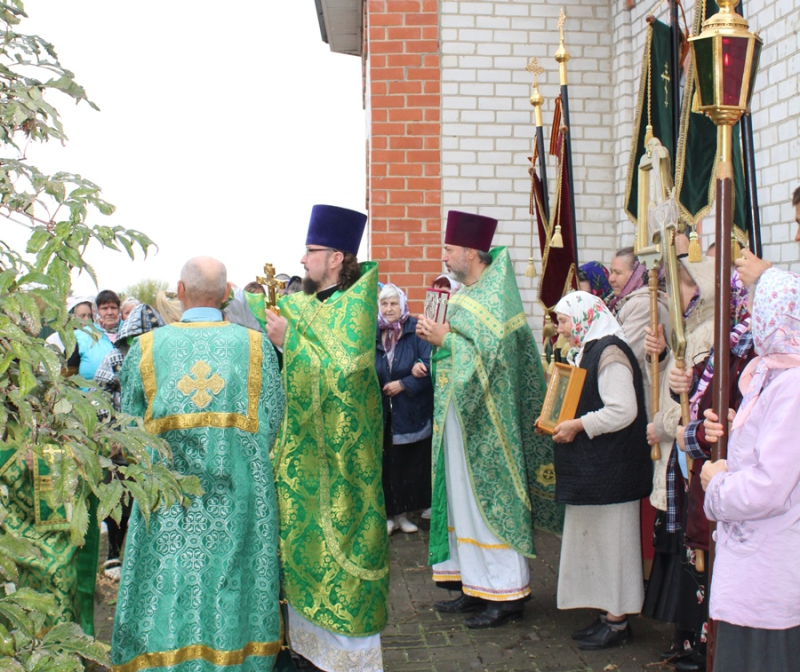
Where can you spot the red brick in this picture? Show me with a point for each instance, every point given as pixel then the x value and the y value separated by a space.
pixel 388 211
pixel 432 169
pixel 380 252
pixel 378 88
pixel 379 33
pixel 407 114
pixel 432 114
pixel 377 61
pixel 423 73
pixel 431 142
pixel 405 252
pixel 387 239
pixel 405 224
pixel 430 33
pixel 433 86
pixel 424 265
pixel 388 156
pixel 431 241
pixel 406 142
pixel 390 182
pixel 423 101
pixel 424 211
pixel 431 19
pixel 384 47
pixel 393 266
pixel 378 169
pixel 403 33
pixel 423 183
pixel 381 225
pixel 407 279
pixel 405 197
pixel 422 156
pixel 404 87
pixel 378 196
pixel 412 169
pixel 430 6
pixel 377 6
pixel 386 74
pixel 431 60
pixel 389 129
pixel 379 102
pixel 432 225
pixel 422 47
pixel 404 6
pixel 379 142
pixel 380 115
pixel 403 60
pixel 385 19
pixel 433 196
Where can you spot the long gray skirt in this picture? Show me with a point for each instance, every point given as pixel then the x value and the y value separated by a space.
pixel 601 559
pixel 742 649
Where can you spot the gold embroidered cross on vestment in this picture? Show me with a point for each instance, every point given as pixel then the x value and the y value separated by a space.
pixel 201 384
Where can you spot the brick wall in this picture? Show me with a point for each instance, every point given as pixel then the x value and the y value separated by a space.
pixel 404 190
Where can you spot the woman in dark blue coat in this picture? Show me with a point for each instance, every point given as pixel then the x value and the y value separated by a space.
pixel 402 361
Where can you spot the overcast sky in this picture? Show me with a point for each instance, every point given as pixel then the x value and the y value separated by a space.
pixel 220 125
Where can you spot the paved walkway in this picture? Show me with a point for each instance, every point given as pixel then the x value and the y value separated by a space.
pixel 419 638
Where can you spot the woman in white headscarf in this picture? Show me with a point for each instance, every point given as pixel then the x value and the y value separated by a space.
pixel 603 469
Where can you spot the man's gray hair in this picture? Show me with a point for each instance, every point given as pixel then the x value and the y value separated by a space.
pixel 484 257
pixel 205 280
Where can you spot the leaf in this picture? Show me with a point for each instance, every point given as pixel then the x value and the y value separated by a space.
pixel 31 600
pixel 18 618
pixel 62 406
pixel 80 521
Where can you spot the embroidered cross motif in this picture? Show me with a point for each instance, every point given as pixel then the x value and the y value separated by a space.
pixel 665 76
pixel 200 384
pixel 442 379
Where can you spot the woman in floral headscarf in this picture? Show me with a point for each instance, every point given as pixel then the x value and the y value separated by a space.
pixel 603 469
pixel 593 278
pixel 402 361
pixel 755 495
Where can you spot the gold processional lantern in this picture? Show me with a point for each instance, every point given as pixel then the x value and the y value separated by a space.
pixel 725 56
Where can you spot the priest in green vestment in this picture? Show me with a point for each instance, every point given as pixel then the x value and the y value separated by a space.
pixel 334 544
pixel 200 585
pixel 493 479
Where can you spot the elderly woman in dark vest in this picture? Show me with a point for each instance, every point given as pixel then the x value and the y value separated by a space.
pixel 402 361
pixel 603 469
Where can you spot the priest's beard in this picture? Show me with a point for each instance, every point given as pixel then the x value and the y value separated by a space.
pixel 310 286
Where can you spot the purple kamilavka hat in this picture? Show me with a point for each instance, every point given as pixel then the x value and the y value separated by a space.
pixel 338 228
pixel 467 229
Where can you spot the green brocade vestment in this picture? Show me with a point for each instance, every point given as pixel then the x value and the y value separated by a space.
pixel 334 546
pixel 199 586
pixel 490 369
pixel 64 571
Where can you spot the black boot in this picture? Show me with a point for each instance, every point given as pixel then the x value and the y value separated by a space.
pixel 694 662
pixel 497 613
pixel 590 629
pixel 460 605
pixel 607 637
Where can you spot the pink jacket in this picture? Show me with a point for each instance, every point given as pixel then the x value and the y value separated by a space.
pixel 756 577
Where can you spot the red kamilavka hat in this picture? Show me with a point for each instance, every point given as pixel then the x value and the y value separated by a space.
pixel 467 229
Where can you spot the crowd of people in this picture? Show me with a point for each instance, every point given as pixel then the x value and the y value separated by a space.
pixel 313 446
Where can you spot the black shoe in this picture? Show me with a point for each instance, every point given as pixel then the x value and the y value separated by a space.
pixel 694 662
pixel 460 605
pixel 589 630
pixel 675 653
pixel 605 638
pixel 496 614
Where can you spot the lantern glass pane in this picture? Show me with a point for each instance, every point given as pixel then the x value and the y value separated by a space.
pixel 734 55
pixel 753 70
pixel 704 69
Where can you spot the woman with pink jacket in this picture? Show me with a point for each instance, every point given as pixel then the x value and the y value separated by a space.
pixel 754 495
